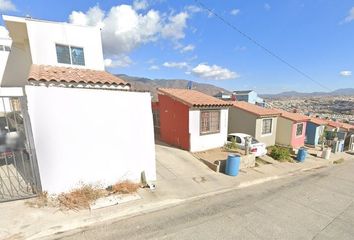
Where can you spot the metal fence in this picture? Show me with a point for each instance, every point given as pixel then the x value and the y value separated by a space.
pixel 19 174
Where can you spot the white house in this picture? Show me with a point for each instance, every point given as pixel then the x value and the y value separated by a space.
pixel 86 124
pixel 5 48
pixel 55 51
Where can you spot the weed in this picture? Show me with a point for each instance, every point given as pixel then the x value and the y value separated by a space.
pixel 125 187
pixel 339 161
pixel 80 198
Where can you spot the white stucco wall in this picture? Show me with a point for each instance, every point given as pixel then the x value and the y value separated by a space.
pixel 44 35
pixel 4 55
pixel 203 142
pixel 93 136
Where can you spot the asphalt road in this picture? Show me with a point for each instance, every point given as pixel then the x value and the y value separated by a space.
pixel 313 205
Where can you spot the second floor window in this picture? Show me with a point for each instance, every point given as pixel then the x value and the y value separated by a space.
pixel 70 55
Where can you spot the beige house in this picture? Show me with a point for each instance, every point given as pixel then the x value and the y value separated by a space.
pixel 256 121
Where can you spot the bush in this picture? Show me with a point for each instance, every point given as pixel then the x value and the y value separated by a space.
pixel 231 145
pixel 125 187
pixel 280 153
pixel 80 198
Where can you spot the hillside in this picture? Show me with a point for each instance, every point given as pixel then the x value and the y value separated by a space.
pixel 146 84
pixel 294 94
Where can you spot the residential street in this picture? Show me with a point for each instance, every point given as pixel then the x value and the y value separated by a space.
pixel 316 204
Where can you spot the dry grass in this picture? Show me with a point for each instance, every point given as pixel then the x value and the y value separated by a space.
pixel 80 198
pixel 125 187
pixel 42 200
pixel 341 160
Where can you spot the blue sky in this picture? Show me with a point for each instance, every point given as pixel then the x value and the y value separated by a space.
pixel 180 40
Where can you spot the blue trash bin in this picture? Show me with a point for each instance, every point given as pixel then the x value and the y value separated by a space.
pixel 301 155
pixel 232 165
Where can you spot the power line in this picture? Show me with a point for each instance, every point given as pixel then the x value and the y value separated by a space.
pixel 260 45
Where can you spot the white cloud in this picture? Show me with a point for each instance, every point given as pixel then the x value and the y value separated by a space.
pixel 140 4
pixel 124 29
pixel 118 61
pixel 154 67
pixel 175 27
pixel 350 17
pixel 193 9
pixel 175 65
pixel 3 32
pixel 7 5
pixel 235 11
pixel 267 6
pixel 213 72
pixel 346 73
pixel 188 48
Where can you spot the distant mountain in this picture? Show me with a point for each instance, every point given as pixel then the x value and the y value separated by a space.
pixel 146 84
pixel 294 94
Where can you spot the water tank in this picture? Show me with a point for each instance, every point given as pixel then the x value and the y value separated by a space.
pixel 232 165
pixel 301 154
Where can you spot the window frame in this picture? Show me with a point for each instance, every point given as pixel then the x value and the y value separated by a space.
pixel 70 54
pixel 200 122
pixel 271 127
pixel 302 129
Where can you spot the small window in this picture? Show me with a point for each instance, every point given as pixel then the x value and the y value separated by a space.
pixel 77 55
pixel 238 140
pixel 299 129
pixel 70 55
pixel 63 54
pixel 209 122
pixel 267 126
pixel 7 49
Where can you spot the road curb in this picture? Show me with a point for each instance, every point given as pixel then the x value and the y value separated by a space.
pixel 157 206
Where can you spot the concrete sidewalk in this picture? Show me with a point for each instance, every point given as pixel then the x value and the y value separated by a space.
pixel 181 178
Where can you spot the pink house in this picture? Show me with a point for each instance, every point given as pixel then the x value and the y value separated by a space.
pixel 291 129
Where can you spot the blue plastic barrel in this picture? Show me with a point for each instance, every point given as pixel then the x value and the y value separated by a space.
pixel 232 165
pixel 301 154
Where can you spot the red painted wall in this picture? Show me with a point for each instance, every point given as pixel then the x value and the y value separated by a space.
pixel 174 122
pixel 298 141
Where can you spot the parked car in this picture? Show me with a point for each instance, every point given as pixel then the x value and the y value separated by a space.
pixel 258 148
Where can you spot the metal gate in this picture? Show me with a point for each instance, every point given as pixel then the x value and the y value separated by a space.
pixel 19 173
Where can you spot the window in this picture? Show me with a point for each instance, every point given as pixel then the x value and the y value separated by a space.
pixel 209 122
pixel 299 129
pixel 267 126
pixel 70 55
pixel 5 48
pixel 238 140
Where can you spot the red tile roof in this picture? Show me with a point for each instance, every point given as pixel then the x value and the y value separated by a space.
pixel 345 126
pixel 254 109
pixel 318 121
pixel 295 117
pixel 45 73
pixel 193 98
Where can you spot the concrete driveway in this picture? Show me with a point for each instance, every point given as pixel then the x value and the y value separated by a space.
pixel 177 168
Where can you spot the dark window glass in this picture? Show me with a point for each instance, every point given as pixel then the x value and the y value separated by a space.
pixel 267 126
pixel 299 128
pixel 63 54
pixel 77 55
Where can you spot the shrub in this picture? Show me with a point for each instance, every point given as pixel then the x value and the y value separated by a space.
pixel 231 145
pixel 125 187
pixel 280 153
pixel 81 197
